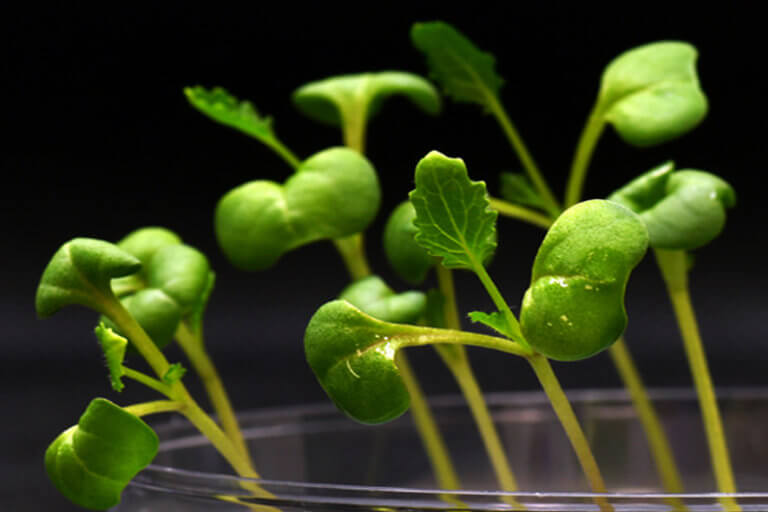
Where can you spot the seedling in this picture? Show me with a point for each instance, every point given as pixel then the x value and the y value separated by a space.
pixel 151 289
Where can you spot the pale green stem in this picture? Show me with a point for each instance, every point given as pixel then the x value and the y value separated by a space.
pixel 526 159
pixel 155 407
pixel 501 305
pixel 673 268
pixel 565 414
pixel 427 428
pixel 148 381
pixel 194 348
pixel 586 146
pixel 521 213
pixel 284 153
pixel 353 129
pixel 422 336
pixel 352 251
pixel 661 450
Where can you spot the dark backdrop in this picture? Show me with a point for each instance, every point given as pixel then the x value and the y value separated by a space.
pixel 99 140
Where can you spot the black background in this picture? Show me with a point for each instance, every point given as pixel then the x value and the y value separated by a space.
pixel 99 140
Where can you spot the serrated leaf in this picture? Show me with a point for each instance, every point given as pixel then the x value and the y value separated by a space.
pixel 372 296
pixel 495 321
pixel 174 373
pixel 453 215
pixel 517 189
pixel 113 346
pixel 224 108
pixel 465 73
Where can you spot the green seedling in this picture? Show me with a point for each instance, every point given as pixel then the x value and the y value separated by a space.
pixel 151 290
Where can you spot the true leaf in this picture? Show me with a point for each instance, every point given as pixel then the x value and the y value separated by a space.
pixel 574 307
pixel 494 320
pixel 517 189
pixel 80 273
pixel 113 347
pixel 339 98
pixel 174 373
pixel 465 73
pixel 454 220
pixel 335 193
pixel 682 209
pixel 651 93
pixel 409 259
pixel 92 462
pixel 372 296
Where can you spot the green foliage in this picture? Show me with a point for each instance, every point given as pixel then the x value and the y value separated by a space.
pixel 174 374
pixel 182 272
pixel 155 311
pixel 113 347
pixel 93 461
pixel 574 307
pixel 80 273
pixel 409 259
pixel 259 221
pixel 651 93
pixel 372 296
pixel 517 189
pixel 453 215
pixel 335 100
pixel 495 321
pixel 682 209
pixel 465 73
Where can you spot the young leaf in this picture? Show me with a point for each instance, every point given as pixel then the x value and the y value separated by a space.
pixel 453 215
pixel 372 296
pixel 495 321
pixel 259 221
pixel 682 210
pixel 333 100
pixel 574 307
pixel 409 259
pixel 182 272
pixel 517 189
pixel 465 73
pixel 651 93
pixel 92 462
pixel 174 373
pixel 113 347
pixel 80 273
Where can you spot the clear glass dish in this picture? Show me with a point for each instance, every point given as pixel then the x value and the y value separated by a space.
pixel 318 460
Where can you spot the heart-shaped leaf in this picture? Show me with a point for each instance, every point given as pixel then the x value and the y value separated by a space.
pixel 372 296
pixel 182 272
pixel 337 99
pixel 142 243
pixel 92 462
pixel 574 307
pixel 651 93
pixel 409 259
pixel 334 194
pixel 682 210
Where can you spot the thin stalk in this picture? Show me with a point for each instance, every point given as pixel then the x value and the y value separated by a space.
pixel 152 383
pixel 284 153
pixel 353 129
pixel 661 450
pixel 194 348
pixel 501 305
pixel 586 146
pixel 673 268
pixel 352 251
pixel 526 159
pixel 565 414
pixel 154 407
pixel 521 213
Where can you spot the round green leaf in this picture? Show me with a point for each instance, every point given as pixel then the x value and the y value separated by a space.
pixel 409 259
pixel 144 242
pixel 157 313
pixel 182 272
pixel 574 307
pixel 334 194
pixel 372 296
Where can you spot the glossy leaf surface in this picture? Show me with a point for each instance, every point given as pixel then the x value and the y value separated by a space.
pixel 682 210
pixel 93 461
pixel 80 273
pixel 334 194
pixel 453 215
pixel 651 93
pixel 372 296
pixel 574 307
pixel 332 99
pixel 465 73
pixel 409 259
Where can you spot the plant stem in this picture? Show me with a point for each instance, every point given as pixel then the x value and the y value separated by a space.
pixel 586 146
pixel 155 407
pixel 673 269
pixel 148 381
pixel 194 348
pixel 353 128
pixel 661 450
pixel 501 305
pixel 521 213
pixel 284 153
pixel 352 251
pixel 565 414
pixel 526 159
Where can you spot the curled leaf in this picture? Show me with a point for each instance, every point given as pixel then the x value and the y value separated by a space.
pixel 113 347
pixel 92 462
pixel 372 296
pixel 574 307
pixel 682 210
pixel 174 373
pixel 334 194
pixel 409 259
